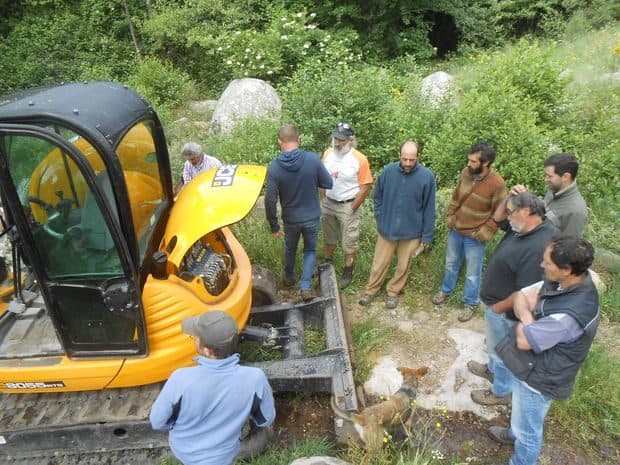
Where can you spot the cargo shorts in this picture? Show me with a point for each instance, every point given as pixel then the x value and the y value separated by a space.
pixel 340 224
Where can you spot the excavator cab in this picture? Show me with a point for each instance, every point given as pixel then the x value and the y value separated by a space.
pixel 114 262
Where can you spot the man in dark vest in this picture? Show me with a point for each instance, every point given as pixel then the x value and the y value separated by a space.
pixel 558 319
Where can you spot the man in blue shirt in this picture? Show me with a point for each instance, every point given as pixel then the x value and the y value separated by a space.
pixel 295 177
pixel 404 202
pixel 205 407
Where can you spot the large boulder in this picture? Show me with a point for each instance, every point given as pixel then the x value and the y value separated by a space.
pixel 435 87
pixel 243 98
pixel 322 460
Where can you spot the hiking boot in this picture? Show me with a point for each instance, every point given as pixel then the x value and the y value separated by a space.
pixel 288 282
pixel 306 295
pixel 480 369
pixel 501 435
pixel 467 313
pixel 440 298
pixel 347 276
pixel 486 397
pixel 391 302
pixel 366 299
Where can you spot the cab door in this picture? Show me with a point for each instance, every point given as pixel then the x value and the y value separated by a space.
pixel 66 216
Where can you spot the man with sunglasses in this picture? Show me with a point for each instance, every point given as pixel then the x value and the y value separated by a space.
pixel 514 264
pixel 341 204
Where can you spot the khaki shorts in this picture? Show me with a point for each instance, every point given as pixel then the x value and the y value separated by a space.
pixel 340 224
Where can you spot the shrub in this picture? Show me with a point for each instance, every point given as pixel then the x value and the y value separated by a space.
pixel 161 83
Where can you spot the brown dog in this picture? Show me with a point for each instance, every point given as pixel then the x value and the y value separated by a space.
pixel 371 422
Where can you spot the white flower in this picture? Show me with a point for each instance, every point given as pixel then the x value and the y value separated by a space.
pixel 283 19
pixel 247 50
pixel 229 62
pixel 313 15
pixel 261 66
pixel 219 49
pixel 269 72
pixel 311 26
pixel 299 15
pixel 283 37
pixel 307 45
pixel 258 57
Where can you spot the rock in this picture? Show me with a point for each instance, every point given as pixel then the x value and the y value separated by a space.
pixel 607 260
pixel 202 125
pixel 203 106
pixel 436 87
pixel 611 76
pixel 322 460
pixel 598 282
pixel 243 98
pixel 384 379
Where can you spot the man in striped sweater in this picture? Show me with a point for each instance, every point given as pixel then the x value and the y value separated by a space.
pixel 479 191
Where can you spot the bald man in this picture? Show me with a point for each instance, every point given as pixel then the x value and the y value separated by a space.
pixel 404 202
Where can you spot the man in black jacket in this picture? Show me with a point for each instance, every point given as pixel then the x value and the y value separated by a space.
pixel 558 319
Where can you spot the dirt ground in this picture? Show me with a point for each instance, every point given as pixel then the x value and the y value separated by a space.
pixel 432 336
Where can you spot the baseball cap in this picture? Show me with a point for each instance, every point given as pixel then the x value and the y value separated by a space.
pixel 343 131
pixel 215 328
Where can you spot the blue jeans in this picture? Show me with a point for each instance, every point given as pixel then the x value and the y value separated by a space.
pixel 309 231
pixel 459 247
pixel 498 327
pixel 529 409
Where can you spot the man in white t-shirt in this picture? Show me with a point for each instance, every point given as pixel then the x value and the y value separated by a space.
pixel 341 204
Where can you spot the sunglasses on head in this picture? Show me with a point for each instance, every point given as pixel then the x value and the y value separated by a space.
pixel 345 126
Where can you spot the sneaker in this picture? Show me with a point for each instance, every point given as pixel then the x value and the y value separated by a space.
pixel 440 298
pixel 366 299
pixel 467 312
pixel 347 276
pixel 501 435
pixel 306 295
pixel 486 397
pixel 288 282
pixel 480 369
pixel 391 302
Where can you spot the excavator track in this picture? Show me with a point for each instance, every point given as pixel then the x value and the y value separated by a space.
pixel 69 423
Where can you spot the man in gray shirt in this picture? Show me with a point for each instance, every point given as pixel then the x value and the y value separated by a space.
pixel 566 208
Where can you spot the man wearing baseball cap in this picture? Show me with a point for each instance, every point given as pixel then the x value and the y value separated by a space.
pixel 205 407
pixel 352 178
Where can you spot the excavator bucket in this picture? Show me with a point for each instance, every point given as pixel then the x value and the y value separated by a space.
pixel 327 371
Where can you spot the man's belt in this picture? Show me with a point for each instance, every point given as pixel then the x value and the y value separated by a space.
pixel 342 201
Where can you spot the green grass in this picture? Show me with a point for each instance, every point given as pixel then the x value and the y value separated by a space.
pixel 592 415
pixel 277 454
pixel 367 337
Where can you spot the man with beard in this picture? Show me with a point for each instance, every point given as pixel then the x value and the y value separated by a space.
pixel 566 208
pixel 341 204
pixel 404 201
pixel 514 265
pixel 478 193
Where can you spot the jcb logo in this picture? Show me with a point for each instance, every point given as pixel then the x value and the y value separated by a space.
pixel 224 176
pixel 34 385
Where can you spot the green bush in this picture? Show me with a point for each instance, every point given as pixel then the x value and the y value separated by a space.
pixel 161 83
pixel 74 41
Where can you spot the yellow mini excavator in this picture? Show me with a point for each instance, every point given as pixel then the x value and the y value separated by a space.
pixel 107 263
